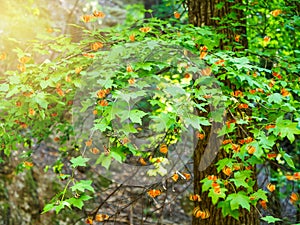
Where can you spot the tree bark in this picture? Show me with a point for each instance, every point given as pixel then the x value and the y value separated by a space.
pixel 202 13
pixel 205 13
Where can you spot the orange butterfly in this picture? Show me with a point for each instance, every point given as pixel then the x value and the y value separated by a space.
pixel 103 102
pixel 95 46
pixel 276 12
pixel 21 67
pixel 98 14
pixel 243 106
pixel 129 68
pixel 89 143
pixel 270 126
pixel 271 187
pixel 132 37
pixel 163 149
pixel 86 18
pixel 154 193
pixel 294 197
pixel 177 15
pixel 142 161
pixel 251 150
pixel 202 55
pixel 226 170
pixel 195 198
pixel 175 177
pixel 95 150
pixel 200 136
pixel 24 59
pixel 267 39
pixel 227 141
pixel 60 92
pixel 31 112
pixel 198 213
pixel 212 177
pixel 263 204
pixel 89 220
pixel 29 164
pixel 131 81
pixel 284 92
pixel 101 217
pixel 187 176
pixel 145 29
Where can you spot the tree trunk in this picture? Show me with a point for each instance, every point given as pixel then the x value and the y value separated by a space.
pixel 205 12
pixel 202 12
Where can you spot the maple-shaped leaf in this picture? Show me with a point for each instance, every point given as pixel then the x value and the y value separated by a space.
pixel 136 116
pixel 239 199
pixel 48 207
pixel 206 184
pixel 227 210
pixel 215 196
pixel 276 98
pixel 83 185
pixel 224 162
pixel 260 194
pixel 286 128
pixel 78 202
pixel 79 161
pixel 240 178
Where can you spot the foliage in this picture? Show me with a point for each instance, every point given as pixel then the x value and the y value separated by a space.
pixel 146 79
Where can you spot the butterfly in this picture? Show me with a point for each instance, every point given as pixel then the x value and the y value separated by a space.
pixel 163 148
pixel 198 213
pixel 154 193
pixel 98 14
pixel 195 198
pixel 101 217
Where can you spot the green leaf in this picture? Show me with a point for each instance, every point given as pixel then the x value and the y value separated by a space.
pixel 260 194
pixel 240 178
pixel 175 90
pixel 62 205
pixel 196 121
pixel 276 98
pixel 83 185
pixel 288 159
pixel 47 208
pixel 227 210
pixel 215 196
pixel 40 99
pixel 136 116
pixel 44 83
pixel 4 87
pixel 239 199
pixel 79 161
pixel 117 156
pixel 104 160
pixel 206 184
pixel 224 162
pixel 270 219
pixel 78 202
pixel 286 128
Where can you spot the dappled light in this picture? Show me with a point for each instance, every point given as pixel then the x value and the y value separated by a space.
pixel 149 112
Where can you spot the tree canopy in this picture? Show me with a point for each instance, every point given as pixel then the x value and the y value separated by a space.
pixel 134 101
